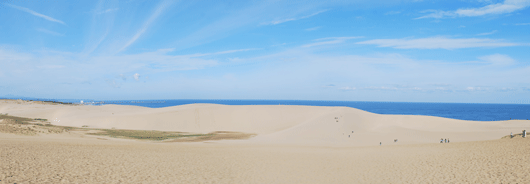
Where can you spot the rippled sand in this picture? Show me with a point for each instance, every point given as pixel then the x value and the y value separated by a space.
pixel 65 158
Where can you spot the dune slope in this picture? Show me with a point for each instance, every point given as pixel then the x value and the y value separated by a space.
pixel 273 123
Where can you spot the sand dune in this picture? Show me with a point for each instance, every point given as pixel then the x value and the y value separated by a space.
pixel 294 144
pixel 273 123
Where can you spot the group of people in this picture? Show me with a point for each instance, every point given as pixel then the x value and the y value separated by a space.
pixel 442 140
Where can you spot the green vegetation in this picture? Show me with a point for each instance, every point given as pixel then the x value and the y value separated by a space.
pixel 17 120
pixel 144 134
pixel 27 126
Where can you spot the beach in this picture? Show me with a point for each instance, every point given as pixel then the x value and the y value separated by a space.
pixel 287 144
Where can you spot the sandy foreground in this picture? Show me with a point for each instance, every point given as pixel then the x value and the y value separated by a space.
pixel 293 144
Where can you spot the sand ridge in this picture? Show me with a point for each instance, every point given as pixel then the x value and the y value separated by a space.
pixel 275 124
pixel 294 144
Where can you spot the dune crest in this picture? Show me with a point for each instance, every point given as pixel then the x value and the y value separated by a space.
pixel 272 123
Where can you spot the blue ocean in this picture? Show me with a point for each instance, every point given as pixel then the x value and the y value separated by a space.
pixel 462 111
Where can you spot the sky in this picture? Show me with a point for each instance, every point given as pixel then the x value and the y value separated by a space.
pixel 462 51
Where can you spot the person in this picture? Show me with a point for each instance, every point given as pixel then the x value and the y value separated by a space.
pixel 442 140
pixel 445 140
pixel 379 143
pixel 511 134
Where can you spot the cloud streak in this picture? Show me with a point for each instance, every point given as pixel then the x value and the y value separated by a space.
pixel 313 29
pixel 508 6
pixel 330 40
pixel 292 19
pixel 27 10
pixel 438 43
pixel 163 5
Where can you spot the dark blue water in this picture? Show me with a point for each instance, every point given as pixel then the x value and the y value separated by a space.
pixel 463 111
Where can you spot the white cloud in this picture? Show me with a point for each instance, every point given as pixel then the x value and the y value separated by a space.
pixel 438 43
pixel 487 33
pixel 292 19
pixel 59 66
pixel 312 29
pixel 507 6
pixel 159 10
pixel 330 40
pixel 35 13
pixel 476 89
pixel 522 24
pixel 49 32
pixel 498 59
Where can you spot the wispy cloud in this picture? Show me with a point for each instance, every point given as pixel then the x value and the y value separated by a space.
pixel 292 19
pixel 49 32
pixel 487 33
pixel 109 10
pixel 438 43
pixel 508 6
pixel 497 59
pixel 522 24
pixel 163 5
pixel 330 40
pixel 313 28
pixel 34 13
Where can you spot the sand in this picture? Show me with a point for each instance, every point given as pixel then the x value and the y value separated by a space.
pixel 294 144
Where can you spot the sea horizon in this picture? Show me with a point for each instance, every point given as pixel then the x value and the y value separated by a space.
pixel 461 111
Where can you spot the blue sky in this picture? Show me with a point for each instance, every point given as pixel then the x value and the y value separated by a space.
pixel 470 51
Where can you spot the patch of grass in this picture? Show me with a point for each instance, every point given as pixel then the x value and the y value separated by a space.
pixel 17 120
pixel 219 135
pixel 144 134
pixel 20 125
pixel 171 136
